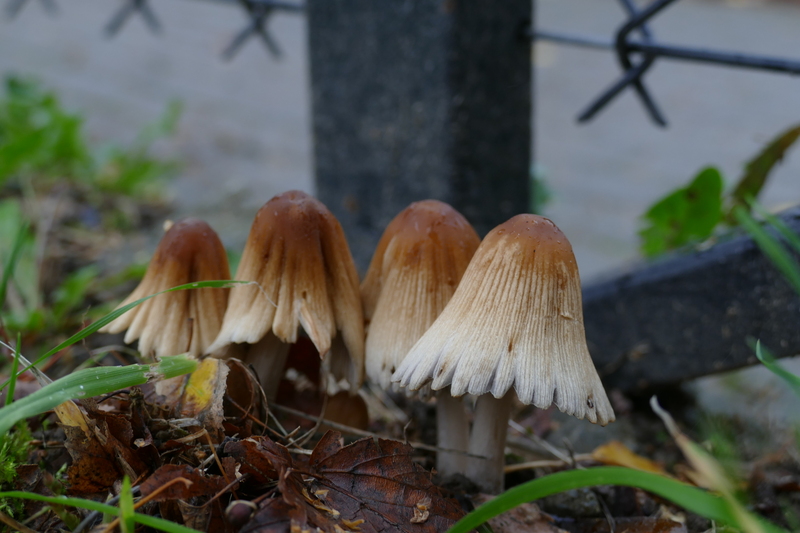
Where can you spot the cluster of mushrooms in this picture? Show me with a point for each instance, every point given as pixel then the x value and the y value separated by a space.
pixel 440 312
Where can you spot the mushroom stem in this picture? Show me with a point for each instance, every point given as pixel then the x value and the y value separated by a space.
pixel 268 358
pixel 488 440
pixel 452 432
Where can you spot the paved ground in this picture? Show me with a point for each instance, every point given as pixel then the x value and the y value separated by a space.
pixel 245 134
pixel 606 173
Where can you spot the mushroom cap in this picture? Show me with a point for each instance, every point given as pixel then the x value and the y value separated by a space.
pixel 515 320
pixel 414 272
pixel 181 321
pixel 298 255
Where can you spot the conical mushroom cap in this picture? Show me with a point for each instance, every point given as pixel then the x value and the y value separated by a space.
pixel 298 255
pixel 515 320
pixel 181 321
pixel 413 274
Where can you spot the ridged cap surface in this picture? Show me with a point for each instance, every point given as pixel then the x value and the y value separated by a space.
pixel 515 320
pixel 417 265
pixel 298 255
pixel 181 321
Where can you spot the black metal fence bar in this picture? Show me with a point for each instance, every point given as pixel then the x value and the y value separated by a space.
pixel 648 50
pixel 732 59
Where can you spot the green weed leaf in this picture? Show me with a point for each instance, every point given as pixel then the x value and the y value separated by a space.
pixel 686 215
pixel 757 169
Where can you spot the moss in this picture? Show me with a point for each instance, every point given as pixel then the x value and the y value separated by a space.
pixel 14 451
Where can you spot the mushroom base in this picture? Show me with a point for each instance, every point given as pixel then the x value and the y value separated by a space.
pixel 488 440
pixel 268 358
pixel 452 433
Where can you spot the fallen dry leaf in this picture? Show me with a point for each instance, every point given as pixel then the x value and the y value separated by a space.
pixel 371 485
pixel 525 518
pixel 255 456
pixel 643 524
pixel 200 484
pixel 203 395
pixel 92 469
pixel 617 454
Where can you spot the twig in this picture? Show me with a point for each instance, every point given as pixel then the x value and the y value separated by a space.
pixel 114 523
pixel 545 463
pixel 14 525
pixel 225 489
pixel 305 438
pixel 361 433
pixel 94 515
pixel 536 439
pixel 219 464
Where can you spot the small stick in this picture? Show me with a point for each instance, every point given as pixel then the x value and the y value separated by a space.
pixel 219 464
pixel 545 463
pixel 361 433
pixel 114 523
pixel 305 438
pixel 14 525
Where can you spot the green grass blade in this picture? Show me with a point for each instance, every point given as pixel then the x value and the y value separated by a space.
pixel 126 509
pixel 791 237
pixel 686 496
pixel 63 500
pixel 11 264
pixel 14 366
pixel 768 360
pixel 88 330
pixel 772 248
pixel 92 382
pixel 145 520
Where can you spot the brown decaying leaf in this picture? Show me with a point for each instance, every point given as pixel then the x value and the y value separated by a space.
pixel 92 469
pixel 368 486
pixel 256 458
pixel 644 524
pixel 31 478
pixel 201 484
pixel 223 395
pixel 525 518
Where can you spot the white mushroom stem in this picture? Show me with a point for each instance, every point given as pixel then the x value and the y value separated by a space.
pixel 452 433
pixel 488 440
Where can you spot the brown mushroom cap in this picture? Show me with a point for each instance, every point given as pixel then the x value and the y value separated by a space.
pixel 298 255
pixel 414 272
pixel 181 321
pixel 515 320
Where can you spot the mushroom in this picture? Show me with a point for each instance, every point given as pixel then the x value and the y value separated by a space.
pixel 413 274
pixel 181 321
pixel 515 320
pixel 305 276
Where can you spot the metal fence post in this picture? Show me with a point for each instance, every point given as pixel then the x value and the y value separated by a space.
pixel 415 100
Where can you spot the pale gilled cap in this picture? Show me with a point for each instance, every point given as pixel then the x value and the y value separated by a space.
pixel 298 255
pixel 181 321
pixel 515 320
pixel 414 272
